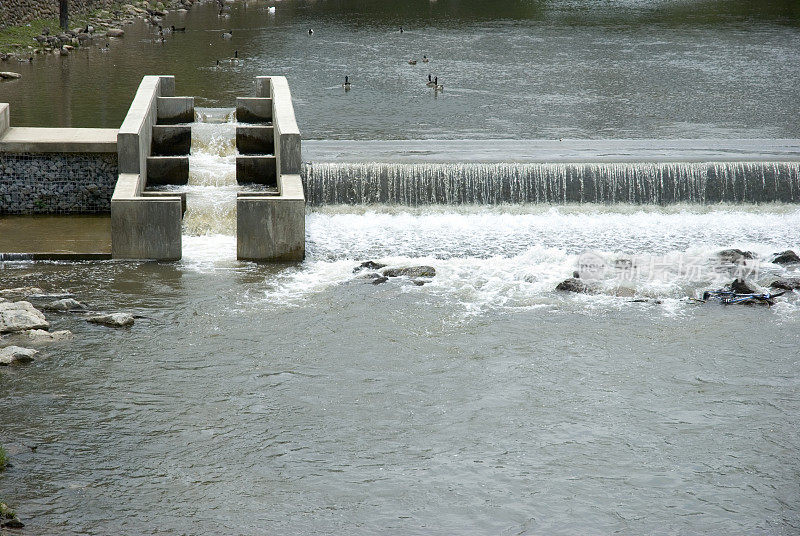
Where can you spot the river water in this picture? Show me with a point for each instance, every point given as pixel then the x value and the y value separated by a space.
pixel 302 399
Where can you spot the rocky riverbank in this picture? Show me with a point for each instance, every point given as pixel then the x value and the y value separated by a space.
pixel 24 43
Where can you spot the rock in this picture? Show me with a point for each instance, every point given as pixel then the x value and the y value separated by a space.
pixel 786 257
pixel 786 283
pixel 419 282
pixel 13 523
pixel 8 75
pixel 114 320
pixel 574 284
pixel 370 275
pixel 380 279
pixel 115 32
pixel 625 292
pixel 413 271
pixel 368 265
pixel 740 286
pixel 20 291
pixel 40 336
pixel 66 304
pixel 735 255
pixel 11 355
pixel 20 316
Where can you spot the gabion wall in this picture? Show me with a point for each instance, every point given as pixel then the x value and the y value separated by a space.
pixel 57 183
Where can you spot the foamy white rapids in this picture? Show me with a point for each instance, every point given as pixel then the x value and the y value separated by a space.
pixel 514 256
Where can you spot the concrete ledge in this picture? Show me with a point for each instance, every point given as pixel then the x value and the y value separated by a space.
pixel 263 86
pixel 171 140
pixel 256 170
pixel 57 140
pixel 272 228
pixel 253 110
pixel 10 257
pixel 163 170
pixel 255 140
pixel 174 110
pixel 169 195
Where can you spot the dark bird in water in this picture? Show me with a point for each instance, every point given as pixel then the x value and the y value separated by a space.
pixel 310 31
pixel 412 62
pixel 425 59
pixel 401 29
pixel 105 48
pixel 174 29
pixel 227 35
pixel 346 84
pixel 217 63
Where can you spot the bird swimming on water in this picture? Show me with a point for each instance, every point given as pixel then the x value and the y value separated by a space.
pixel 430 83
pixel 425 59
pixel 412 62
pixel 228 34
pixel 174 29
pixel 310 31
pixel 346 84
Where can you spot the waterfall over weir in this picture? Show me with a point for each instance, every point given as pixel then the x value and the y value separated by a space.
pixel 494 183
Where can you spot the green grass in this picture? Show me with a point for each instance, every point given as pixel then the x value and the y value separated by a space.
pixel 24 34
pixel 3 458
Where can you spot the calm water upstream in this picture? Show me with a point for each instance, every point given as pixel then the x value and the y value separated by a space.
pixel 252 399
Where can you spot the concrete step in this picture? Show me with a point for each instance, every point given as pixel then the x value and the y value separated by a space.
pixel 257 170
pixel 258 139
pixel 253 110
pixel 171 140
pixel 182 195
pixel 163 170
pixel 174 110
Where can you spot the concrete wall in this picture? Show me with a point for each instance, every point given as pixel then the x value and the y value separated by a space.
pixel 143 227
pixel 272 228
pixel 5 117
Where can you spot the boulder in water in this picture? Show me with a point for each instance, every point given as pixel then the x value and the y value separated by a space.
pixel 20 316
pixel 40 336
pixel 115 32
pixel 786 257
pixel 12 355
pixel 20 292
pixel 740 286
pixel 735 255
pixel 368 265
pixel 573 284
pixel 411 271
pixel 114 320
pixel 66 304
pixel 8 75
pixel 786 283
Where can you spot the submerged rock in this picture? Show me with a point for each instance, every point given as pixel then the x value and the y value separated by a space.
pixel 740 286
pixel 66 304
pixel 380 279
pixel 39 336
pixel 735 255
pixel 411 271
pixel 573 284
pixel 20 291
pixel 114 320
pixel 115 32
pixel 786 283
pixel 20 316
pixel 786 257
pixel 368 265
pixel 8 75
pixel 370 275
pixel 11 355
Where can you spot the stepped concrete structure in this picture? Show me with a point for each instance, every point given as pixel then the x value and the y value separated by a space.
pixel 99 171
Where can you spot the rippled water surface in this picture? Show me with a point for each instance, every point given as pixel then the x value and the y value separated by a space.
pixel 513 69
